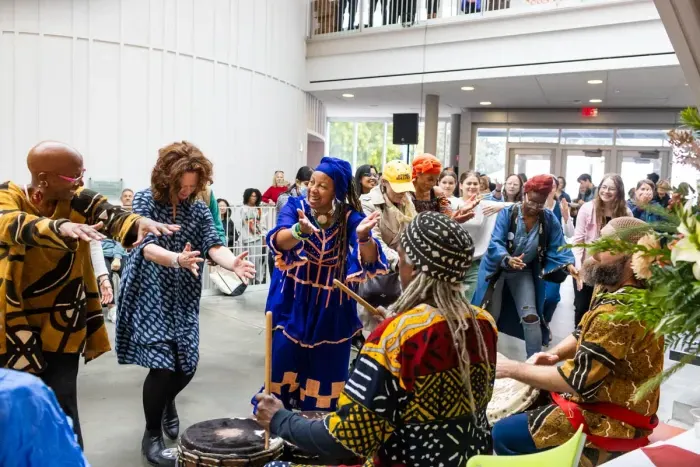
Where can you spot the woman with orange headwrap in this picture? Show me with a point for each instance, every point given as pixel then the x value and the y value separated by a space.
pixel 523 254
pixel 429 196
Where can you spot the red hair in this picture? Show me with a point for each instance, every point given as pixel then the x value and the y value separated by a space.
pixel 541 184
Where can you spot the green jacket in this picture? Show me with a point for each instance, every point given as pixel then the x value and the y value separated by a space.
pixel 210 200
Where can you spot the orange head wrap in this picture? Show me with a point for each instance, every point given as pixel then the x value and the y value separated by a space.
pixel 426 164
pixel 542 184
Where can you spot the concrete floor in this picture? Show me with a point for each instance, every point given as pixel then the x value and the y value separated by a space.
pixel 232 361
pixel 231 371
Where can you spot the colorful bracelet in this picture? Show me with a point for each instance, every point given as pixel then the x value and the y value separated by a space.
pixel 298 234
pixel 364 242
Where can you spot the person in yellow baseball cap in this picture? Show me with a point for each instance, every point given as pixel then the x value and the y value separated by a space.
pixel 399 176
pixel 391 198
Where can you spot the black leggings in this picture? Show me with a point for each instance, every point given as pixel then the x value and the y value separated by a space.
pixel 159 389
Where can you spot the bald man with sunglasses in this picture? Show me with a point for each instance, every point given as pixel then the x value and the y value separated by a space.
pixel 50 311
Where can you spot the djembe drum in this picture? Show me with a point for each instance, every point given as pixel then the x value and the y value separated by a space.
pixel 227 442
pixel 509 397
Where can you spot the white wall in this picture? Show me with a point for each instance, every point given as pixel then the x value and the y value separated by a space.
pixel 118 79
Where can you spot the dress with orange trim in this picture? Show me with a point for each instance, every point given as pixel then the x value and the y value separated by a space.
pixel 302 299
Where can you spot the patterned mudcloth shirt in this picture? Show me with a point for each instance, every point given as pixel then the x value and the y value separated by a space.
pixel 48 293
pixel 613 359
pixel 405 403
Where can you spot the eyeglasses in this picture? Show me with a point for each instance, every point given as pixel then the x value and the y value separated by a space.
pixel 611 189
pixel 532 205
pixel 71 179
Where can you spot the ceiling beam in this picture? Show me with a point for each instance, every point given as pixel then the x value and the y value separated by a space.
pixel 681 19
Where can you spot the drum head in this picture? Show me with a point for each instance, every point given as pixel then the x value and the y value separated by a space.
pixel 227 436
pixel 509 397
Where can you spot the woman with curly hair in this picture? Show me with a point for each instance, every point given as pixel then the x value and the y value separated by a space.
pixel 158 317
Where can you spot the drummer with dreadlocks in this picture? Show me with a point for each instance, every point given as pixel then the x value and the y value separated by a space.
pixel 419 392
pixel 318 238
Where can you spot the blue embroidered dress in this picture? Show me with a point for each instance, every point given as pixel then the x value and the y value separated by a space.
pixel 158 310
pixel 313 321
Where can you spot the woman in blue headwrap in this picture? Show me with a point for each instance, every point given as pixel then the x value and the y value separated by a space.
pixel 318 238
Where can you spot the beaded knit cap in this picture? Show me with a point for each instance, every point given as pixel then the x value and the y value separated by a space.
pixel 629 229
pixel 438 247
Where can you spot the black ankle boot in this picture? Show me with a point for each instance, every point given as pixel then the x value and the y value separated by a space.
pixel 171 422
pixel 153 448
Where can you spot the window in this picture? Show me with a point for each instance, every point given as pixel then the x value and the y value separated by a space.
pixel 342 135
pixel 393 152
pixel 370 144
pixel 528 135
pixel 580 162
pixel 684 174
pixel 491 152
pixel 443 143
pixel 603 137
pixel 655 138
pixel 396 148
pixel 635 167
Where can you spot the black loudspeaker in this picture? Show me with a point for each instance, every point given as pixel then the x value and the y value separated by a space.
pixel 405 128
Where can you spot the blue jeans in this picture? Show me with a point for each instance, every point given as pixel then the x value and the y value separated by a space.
pixel 522 288
pixel 471 280
pixel 511 436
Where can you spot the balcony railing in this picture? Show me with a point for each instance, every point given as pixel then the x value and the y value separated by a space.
pixel 353 16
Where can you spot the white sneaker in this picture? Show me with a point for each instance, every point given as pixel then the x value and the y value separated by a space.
pixel 112 315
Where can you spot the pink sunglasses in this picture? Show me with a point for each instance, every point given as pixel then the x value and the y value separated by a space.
pixel 71 179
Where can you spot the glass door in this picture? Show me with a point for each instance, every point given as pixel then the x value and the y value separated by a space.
pixel 531 162
pixel 582 161
pixel 636 165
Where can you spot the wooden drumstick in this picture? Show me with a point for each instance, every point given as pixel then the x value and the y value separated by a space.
pixel 358 299
pixel 268 365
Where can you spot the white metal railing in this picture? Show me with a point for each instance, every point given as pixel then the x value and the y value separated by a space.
pixel 351 16
pixel 246 228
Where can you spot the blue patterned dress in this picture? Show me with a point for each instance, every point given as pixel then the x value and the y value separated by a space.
pixel 313 321
pixel 158 310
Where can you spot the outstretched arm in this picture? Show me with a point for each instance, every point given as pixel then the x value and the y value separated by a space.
pixel 18 227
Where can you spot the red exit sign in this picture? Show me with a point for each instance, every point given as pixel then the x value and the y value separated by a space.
pixel 589 112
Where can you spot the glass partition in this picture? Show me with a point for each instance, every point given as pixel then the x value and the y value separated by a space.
pixel 531 135
pixel 491 152
pixel 586 136
pixel 579 162
pixel 635 167
pixel 646 138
